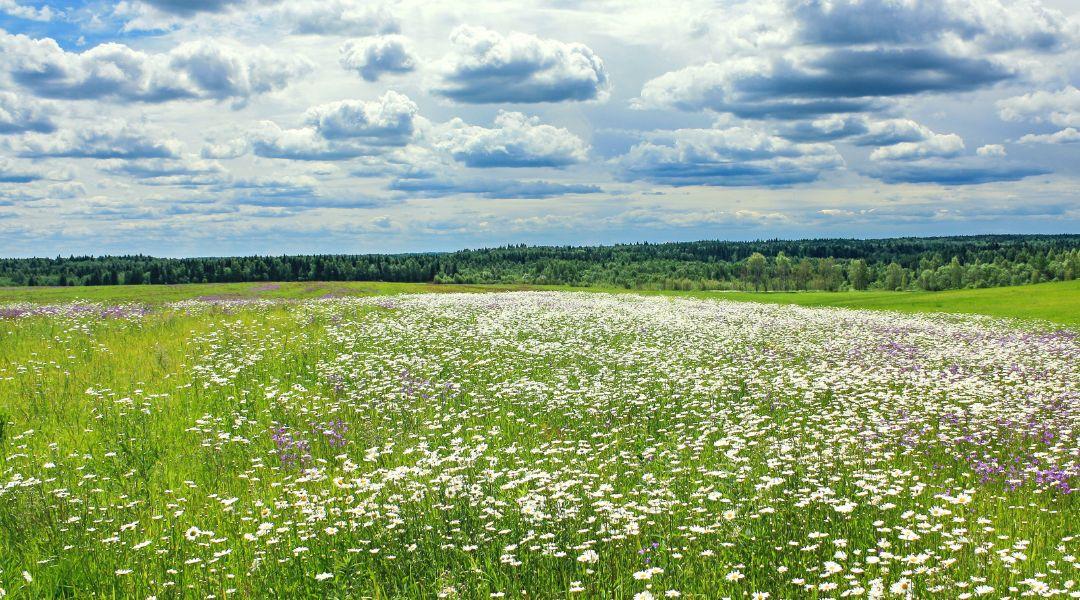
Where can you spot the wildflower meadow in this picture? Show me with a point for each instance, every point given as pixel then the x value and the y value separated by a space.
pixel 534 445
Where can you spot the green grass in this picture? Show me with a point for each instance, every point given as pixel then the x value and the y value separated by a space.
pixel 1056 302
pixel 296 290
pixel 524 426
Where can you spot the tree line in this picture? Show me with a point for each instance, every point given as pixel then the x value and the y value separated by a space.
pixel 820 264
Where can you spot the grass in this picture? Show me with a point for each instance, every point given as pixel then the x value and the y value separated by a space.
pixel 1055 302
pixel 295 290
pixel 466 445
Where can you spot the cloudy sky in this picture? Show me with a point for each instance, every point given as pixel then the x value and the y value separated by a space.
pixel 208 127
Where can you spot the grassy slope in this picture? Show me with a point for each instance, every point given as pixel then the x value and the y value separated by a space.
pixel 1057 302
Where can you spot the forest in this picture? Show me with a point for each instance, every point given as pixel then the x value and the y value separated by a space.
pixel 937 263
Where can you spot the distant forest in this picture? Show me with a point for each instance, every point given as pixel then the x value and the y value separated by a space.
pixel 826 264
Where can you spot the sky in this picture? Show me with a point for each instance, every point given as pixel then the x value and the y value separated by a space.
pixel 224 127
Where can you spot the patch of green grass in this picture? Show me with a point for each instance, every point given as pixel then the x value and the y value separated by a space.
pixel 1057 302
pixel 295 290
pixel 469 446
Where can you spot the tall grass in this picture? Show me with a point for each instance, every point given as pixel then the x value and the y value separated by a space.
pixel 539 445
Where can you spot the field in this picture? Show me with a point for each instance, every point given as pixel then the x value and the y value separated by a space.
pixel 265 440
pixel 1057 302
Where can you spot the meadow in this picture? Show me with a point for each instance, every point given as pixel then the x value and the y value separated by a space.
pixel 1055 302
pixel 374 440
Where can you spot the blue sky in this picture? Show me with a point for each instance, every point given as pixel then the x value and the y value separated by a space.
pixel 204 127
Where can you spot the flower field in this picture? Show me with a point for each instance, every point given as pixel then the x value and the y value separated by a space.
pixel 534 445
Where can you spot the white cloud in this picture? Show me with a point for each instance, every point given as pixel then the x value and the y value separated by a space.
pixel 991 24
pixel 736 156
pixel 270 140
pixel 20 114
pixel 1069 135
pixel 515 141
pixel 991 150
pixel 66 190
pixel 490 188
pixel 1062 108
pixel 340 130
pixel 338 17
pixel 807 83
pixel 190 7
pixel 193 70
pixel 801 59
pixel 390 120
pixel 893 131
pixel 109 139
pixel 488 67
pixel 186 170
pixel 10 172
pixel 961 170
pixel 233 148
pixel 937 145
pixel 373 56
pixel 30 13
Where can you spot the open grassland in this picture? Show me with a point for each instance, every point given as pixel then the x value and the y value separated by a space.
pixel 157 294
pixel 539 445
pixel 1057 302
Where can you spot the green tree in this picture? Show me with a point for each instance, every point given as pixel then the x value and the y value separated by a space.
pixel 858 274
pixel 783 270
pixel 755 270
pixel 894 277
pixel 956 273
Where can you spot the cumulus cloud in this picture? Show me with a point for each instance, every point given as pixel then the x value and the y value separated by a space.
pixel 515 141
pixel 12 173
pixel 30 13
pixel 111 139
pixel 937 145
pixel 190 7
pixel 270 140
pixel 272 190
pixel 373 56
pixel 991 150
pixel 1069 135
pixel 163 15
pixel 185 171
pixel 938 159
pixel 992 24
pixel 489 188
pixel 806 84
pixel 856 129
pixel 194 70
pixel 66 190
pixel 339 130
pixel 19 114
pixel 339 17
pixel 737 156
pixel 802 59
pixel 1062 108
pixel 887 132
pixel 390 120
pixel 488 67
pixel 825 129
pixel 233 148
pixel 964 170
